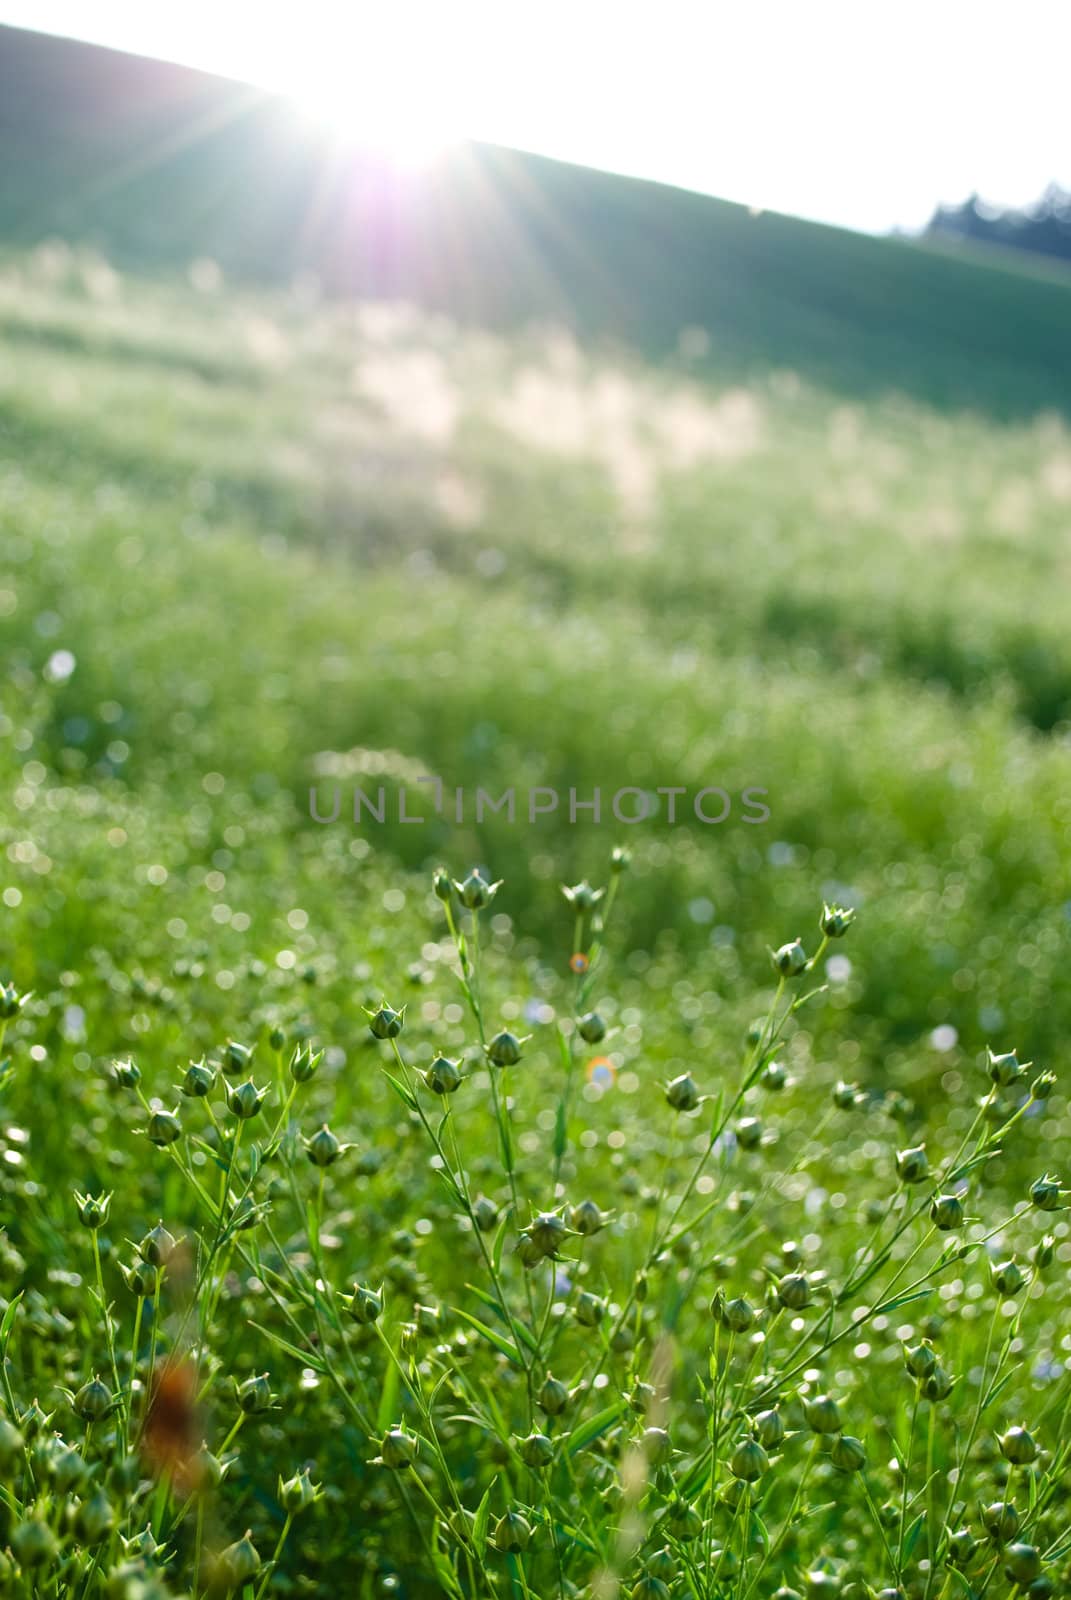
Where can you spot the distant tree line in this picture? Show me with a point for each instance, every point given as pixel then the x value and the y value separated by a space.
pixel 1044 228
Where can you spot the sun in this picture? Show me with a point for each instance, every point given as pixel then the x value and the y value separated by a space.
pixel 401 118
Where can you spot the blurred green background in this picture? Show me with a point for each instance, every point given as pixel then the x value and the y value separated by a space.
pixel 770 505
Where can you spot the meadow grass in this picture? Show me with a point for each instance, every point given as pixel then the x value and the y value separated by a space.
pixel 253 545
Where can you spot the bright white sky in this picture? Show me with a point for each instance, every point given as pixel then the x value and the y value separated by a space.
pixel 862 112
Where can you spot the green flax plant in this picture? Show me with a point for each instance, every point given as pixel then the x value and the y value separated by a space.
pixel 765 1333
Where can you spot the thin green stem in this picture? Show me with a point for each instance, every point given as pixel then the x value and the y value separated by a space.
pixel 269 1571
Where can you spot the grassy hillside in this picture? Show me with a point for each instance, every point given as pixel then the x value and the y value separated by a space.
pixel 157 164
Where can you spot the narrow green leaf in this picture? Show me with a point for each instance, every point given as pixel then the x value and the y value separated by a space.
pixel 499 1424
pixel 1061 1548
pixel 965 1588
pixel 902 1300
pixel 911 1537
pixel 998 1389
pixel 693 1482
pixel 444 1377
pixel 210 1152
pixel 9 1321
pixel 500 1343
pixel 483 1515
pixel 500 1244
pixel 856 1282
pixel 388 1397
pixel 718 1102
pixel 568 1535
pixel 446 1573
pixel 404 1094
pixel 581 1437
pixel 515 1327
pixel 308 1358
pixel 810 995
pixel 966 1167
pixel 560 1130
pixel 505 1142
pixel 451 1185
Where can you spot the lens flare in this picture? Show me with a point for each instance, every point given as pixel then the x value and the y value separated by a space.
pixel 602 1071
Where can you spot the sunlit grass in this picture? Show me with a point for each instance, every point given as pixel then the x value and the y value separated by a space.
pixel 249 542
